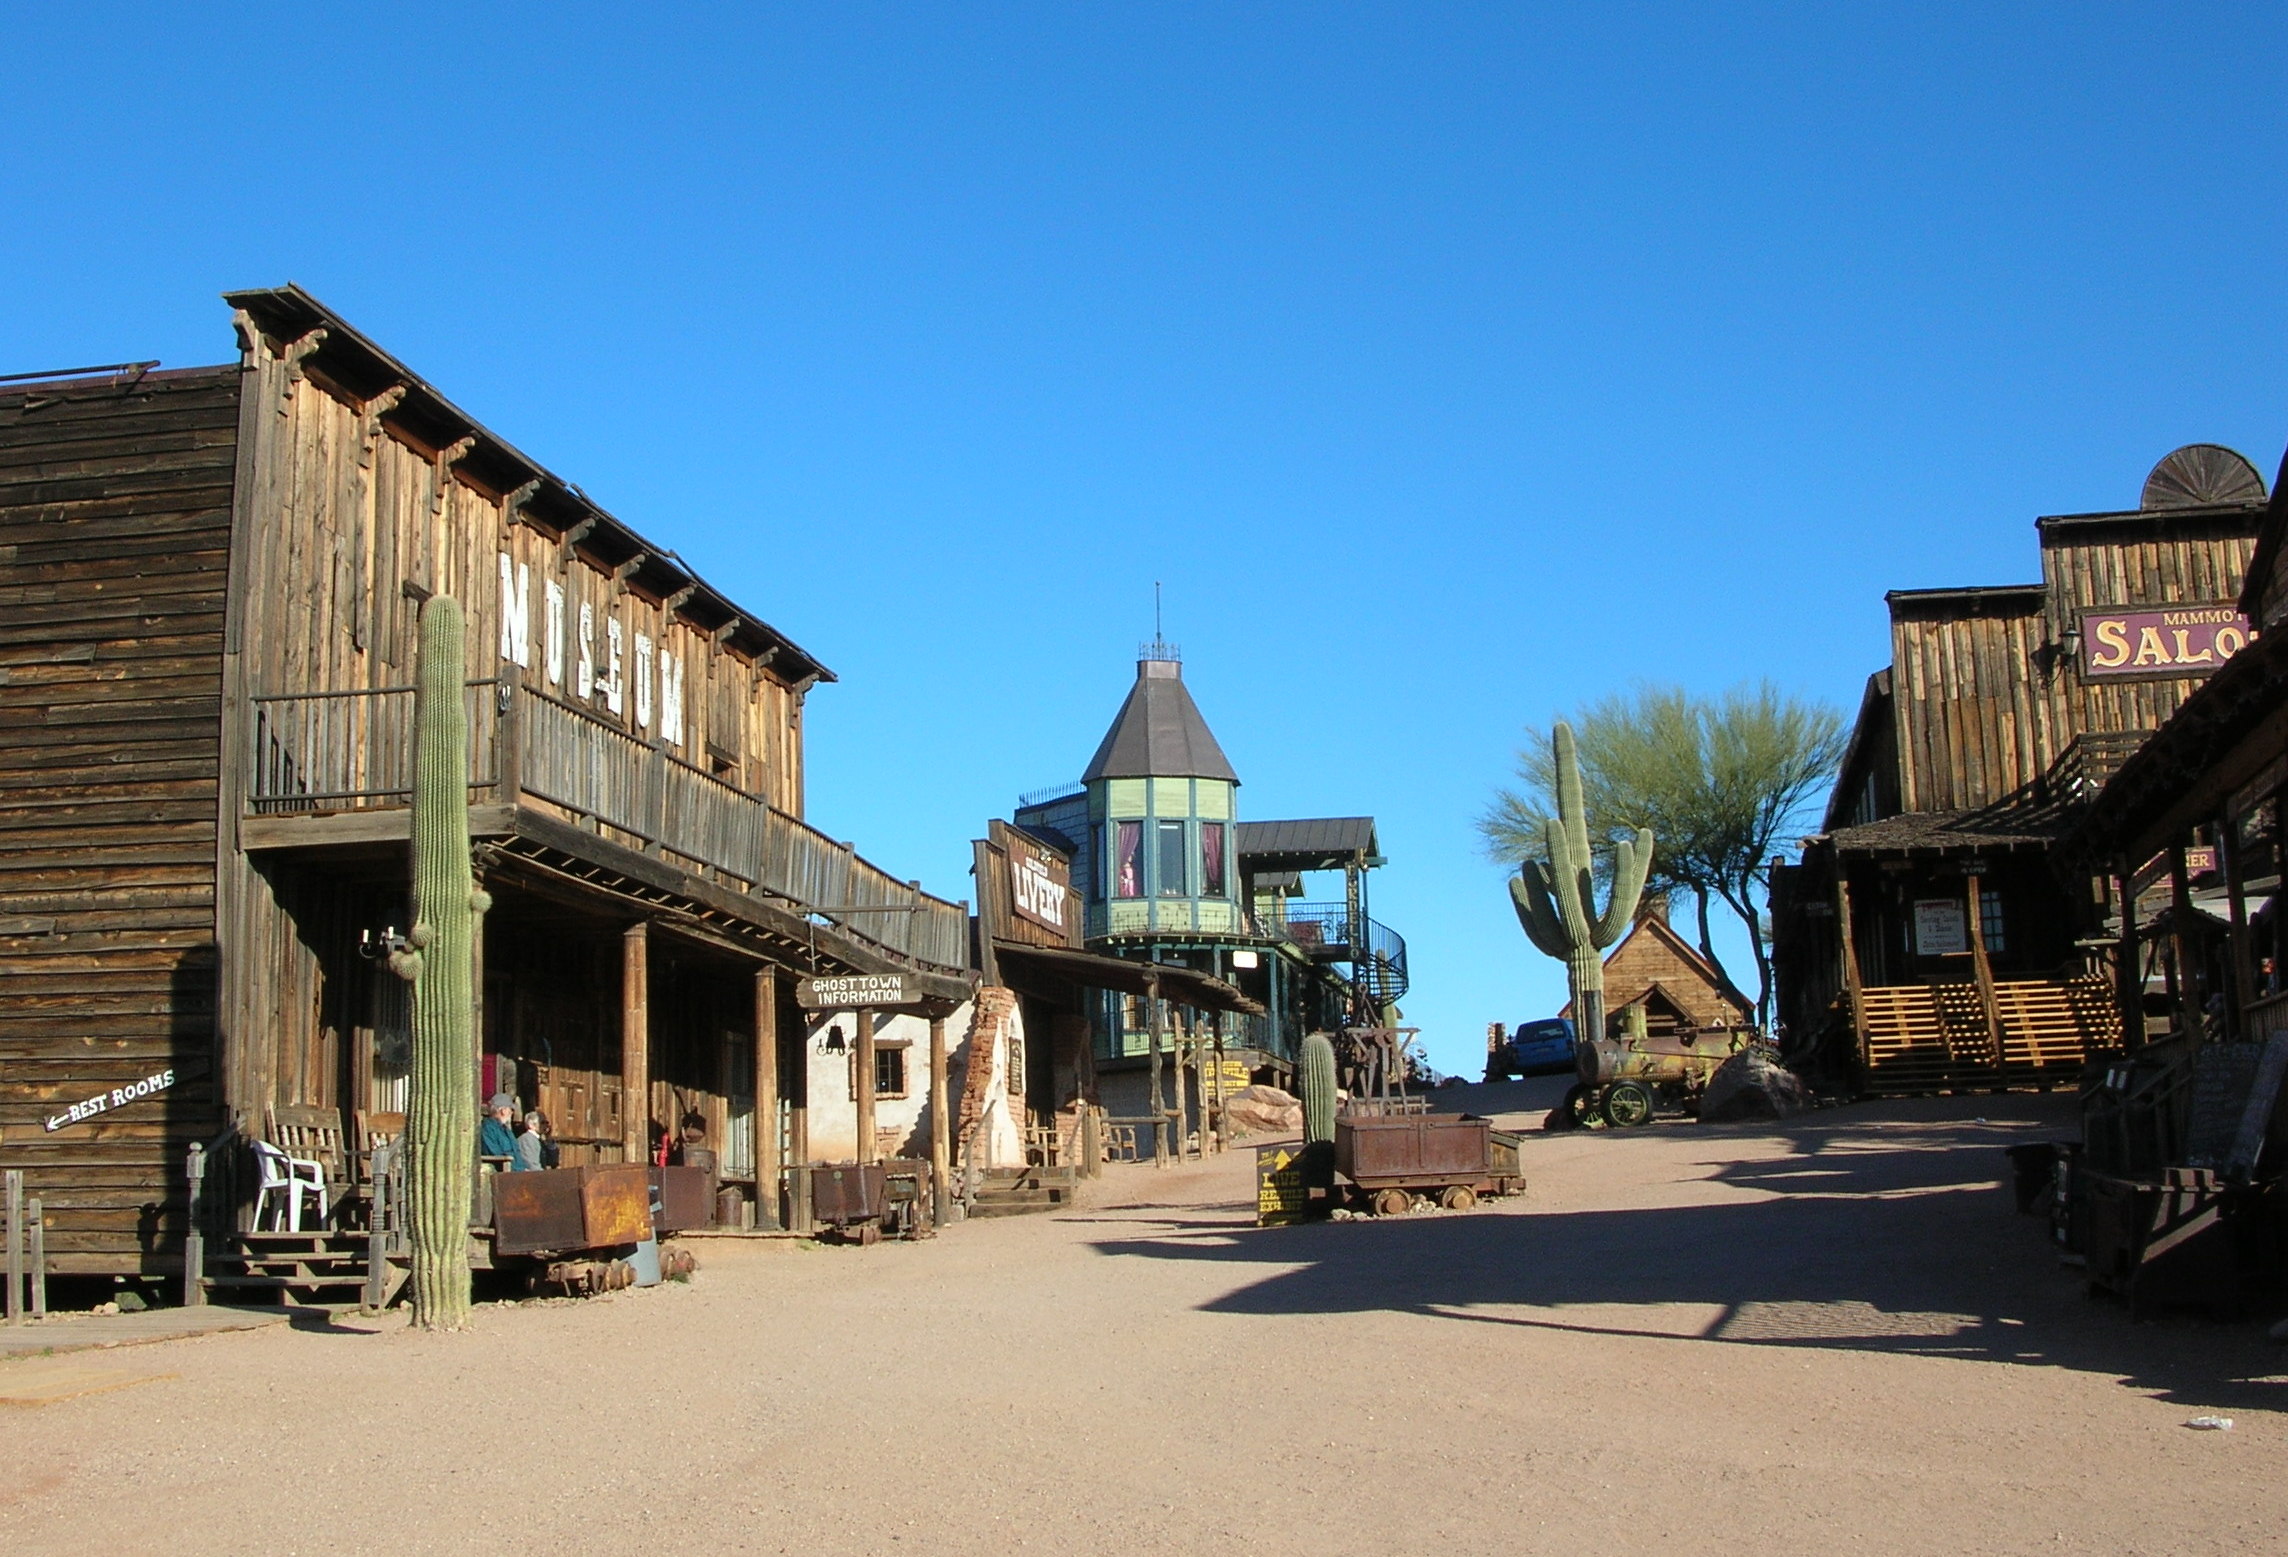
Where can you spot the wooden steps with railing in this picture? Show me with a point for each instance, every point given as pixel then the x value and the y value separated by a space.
pixel 1938 1038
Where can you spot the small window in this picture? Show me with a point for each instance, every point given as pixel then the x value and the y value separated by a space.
pixel 1211 860
pixel 889 1071
pixel 1990 922
pixel 1172 873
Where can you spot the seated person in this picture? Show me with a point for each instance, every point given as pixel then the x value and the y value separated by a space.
pixel 532 1146
pixel 496 1137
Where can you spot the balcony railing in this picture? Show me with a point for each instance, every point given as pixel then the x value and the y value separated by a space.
pixel 2087 762
pixel 352 751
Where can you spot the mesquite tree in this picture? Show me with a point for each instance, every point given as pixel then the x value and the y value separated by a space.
pixel 1556 898
pixel 448 915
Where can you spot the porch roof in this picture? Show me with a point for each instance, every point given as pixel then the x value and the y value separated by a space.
pixel 1185 986
pixel 2021 826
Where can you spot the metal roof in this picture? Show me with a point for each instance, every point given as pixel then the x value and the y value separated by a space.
pixel 1159 733
pixel 1313 843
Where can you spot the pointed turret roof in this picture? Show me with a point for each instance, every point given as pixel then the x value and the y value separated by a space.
pixel 1159 733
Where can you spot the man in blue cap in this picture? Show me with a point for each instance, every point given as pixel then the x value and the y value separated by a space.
pixel 497 1136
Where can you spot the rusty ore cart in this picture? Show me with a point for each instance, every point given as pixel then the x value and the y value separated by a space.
pixel 1390 1158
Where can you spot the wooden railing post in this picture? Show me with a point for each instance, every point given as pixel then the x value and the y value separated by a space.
pixel 508 737
pixel 195 1233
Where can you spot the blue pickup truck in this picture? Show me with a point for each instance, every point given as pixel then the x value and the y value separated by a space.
pixel 1534 1049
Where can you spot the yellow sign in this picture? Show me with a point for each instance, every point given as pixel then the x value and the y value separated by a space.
pixel 1281 1196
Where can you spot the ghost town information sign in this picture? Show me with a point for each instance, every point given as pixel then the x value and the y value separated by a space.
pixel 852 991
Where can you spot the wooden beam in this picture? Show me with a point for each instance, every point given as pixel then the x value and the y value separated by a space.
pixel 1983 970
pixel 635 1043
pixel 767 1097
pixel 1854 992
pixel 2243 971
pixel 2128 966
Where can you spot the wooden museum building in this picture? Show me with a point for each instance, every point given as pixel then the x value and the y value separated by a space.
pixel 209 584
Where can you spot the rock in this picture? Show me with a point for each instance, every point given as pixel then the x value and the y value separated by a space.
pixel 1261 1110
pixel 1753 1084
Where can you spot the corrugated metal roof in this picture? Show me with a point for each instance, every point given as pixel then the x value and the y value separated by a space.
pixel 1293 845
pixel 1159 733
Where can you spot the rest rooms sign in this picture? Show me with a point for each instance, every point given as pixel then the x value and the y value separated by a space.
pixel 853 991
pixel 117 1097
pixel 2185 641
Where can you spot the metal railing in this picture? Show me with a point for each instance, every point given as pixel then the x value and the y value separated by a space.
pixel 1376 952
pixel 352 751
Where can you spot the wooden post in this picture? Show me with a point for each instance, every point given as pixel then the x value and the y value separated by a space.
pixel 798 1136
pixel 2188 992
pixel 1853 991
pixel 378 1213
pixel 508 746
pixel 862 1056
pixel 194 1233
pixel 2243 974
pixel 38 1225
pixel 2128 964
pixel 1219 1124
pixel 635 1043
pixel 766 1131
pixel 1091 1140
pixel 940 1122
pixel 15 1194
pixel 1159 1091
pixel 1983 971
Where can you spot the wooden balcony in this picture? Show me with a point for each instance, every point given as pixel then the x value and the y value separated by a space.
pixel 337 768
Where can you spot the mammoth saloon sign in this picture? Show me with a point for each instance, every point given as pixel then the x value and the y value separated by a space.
pixel 2179 641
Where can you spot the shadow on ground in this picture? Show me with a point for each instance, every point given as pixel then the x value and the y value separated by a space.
pixel 1868 1235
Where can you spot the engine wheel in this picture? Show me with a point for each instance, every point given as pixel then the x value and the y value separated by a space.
pixel 1581 1103
pixel 1627 1105
pixel 1458 1197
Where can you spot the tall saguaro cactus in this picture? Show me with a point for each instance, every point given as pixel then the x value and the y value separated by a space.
pixel 448 910
pixel 1556 898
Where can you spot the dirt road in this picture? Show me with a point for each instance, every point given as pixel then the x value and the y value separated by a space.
pixel 1828 1337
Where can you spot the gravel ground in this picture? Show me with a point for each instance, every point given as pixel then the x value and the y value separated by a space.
pixel 1825 1337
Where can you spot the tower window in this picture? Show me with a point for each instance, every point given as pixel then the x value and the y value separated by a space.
pixel 1128 859
pixel 1211 860
pixel 1172 860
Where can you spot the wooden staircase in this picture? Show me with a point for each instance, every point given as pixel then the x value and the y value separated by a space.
pixel 327 1266
pixel 1023 1191
pixel 1938 1037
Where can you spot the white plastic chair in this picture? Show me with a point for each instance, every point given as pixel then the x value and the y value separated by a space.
pixel 291 1177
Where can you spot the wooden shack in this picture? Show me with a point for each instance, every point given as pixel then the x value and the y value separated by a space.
pixel 1680 990
pixel 212 580
pixel 1928 935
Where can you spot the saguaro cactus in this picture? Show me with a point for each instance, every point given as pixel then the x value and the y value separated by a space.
pixel 1318 1083
pixel 448 910
pixel 1556 898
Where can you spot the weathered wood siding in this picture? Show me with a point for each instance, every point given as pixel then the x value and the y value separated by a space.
pixel 115 512
pixel 1984 698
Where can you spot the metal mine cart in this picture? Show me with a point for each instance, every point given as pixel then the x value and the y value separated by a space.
pixel 1391 1149
pixel 1623 1079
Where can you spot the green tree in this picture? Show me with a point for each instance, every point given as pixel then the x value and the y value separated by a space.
pixel 1722 783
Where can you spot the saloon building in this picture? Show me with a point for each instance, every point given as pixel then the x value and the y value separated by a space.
pixel 212 579
pixel 1931 936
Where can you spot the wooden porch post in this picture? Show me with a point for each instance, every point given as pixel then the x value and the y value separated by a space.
pixel 767 1097
pixel 1852 990
pixel 1983 971
pixel 940 1154
pixel 2243 973
pixel 2188 992
pixel 798 1135
pixel 635 1043
pixel 1159 1092
pixel 2128 965
pixel 862 1056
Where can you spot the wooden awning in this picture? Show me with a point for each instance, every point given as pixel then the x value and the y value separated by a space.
pixel 1185 986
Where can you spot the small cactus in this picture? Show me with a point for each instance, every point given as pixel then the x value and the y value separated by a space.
pixel 1318 1082
pixel 448 915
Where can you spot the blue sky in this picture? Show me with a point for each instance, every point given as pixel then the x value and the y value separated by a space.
pixel 1450 364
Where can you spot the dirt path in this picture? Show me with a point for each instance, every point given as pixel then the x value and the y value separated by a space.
pixel 1832 1337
